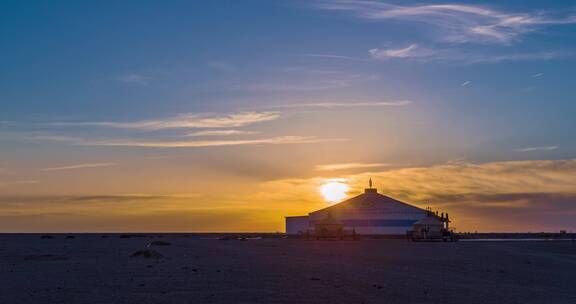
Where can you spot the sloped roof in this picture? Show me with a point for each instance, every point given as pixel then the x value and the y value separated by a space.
pixel 370 199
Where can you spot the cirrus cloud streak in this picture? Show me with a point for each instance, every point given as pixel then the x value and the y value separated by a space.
pixel 459 23
pixel 80 166
pixel 391 103
pixel 220 133
pixel 184 121
pixel 280 140
pixel 348 166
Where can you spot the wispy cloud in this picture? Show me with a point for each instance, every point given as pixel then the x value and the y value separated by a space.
pixel 537 75
pixel 134 79
pixel 185 121
pixel 495 58
pixel 415 52
pixel 465 83
pixel 220 133
pixel 453 54
pixel 330 56
pixel 79 166
pixel 460 23
pixel 410 51
pixel 281 140
pixel 214 122
pixel 541 148
pixel 304 79
pixel 314 85
pixel 57 138
pixel 487 178
pixel 348 166
pixel 16 182
pixel 392 103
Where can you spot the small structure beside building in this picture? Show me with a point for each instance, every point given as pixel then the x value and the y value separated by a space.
pixel 432 228
pixel 297 225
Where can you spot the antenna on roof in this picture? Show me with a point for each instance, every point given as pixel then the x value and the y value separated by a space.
pixel 370 183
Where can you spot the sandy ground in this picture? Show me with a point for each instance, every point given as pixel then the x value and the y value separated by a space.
pixel 93 269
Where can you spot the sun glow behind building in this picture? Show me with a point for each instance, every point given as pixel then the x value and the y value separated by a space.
pixel 369 213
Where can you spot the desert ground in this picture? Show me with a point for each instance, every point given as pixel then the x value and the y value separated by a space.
pixel 94 268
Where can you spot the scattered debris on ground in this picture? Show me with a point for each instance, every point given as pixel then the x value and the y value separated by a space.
pixel 160 243
pixel 239 238
pixel 147 254
pixel 129 236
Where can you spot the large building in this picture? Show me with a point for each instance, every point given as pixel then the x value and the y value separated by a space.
pixel 369 213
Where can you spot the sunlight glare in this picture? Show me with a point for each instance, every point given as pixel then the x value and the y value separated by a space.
pixel 334 191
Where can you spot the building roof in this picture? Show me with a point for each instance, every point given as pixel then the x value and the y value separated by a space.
pixel 371 199
pixel 296 216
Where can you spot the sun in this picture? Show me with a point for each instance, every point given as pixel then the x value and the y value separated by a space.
pixel 334 191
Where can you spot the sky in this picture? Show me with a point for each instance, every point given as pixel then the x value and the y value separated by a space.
pixel 215 116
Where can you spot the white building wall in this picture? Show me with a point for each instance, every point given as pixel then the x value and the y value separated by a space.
pixel 297 224
pixel 374 230
pixel 374 223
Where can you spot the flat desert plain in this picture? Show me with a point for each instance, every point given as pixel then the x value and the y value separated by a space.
pixel 90 268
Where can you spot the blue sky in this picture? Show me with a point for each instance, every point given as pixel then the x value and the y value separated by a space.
pixel 258 91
